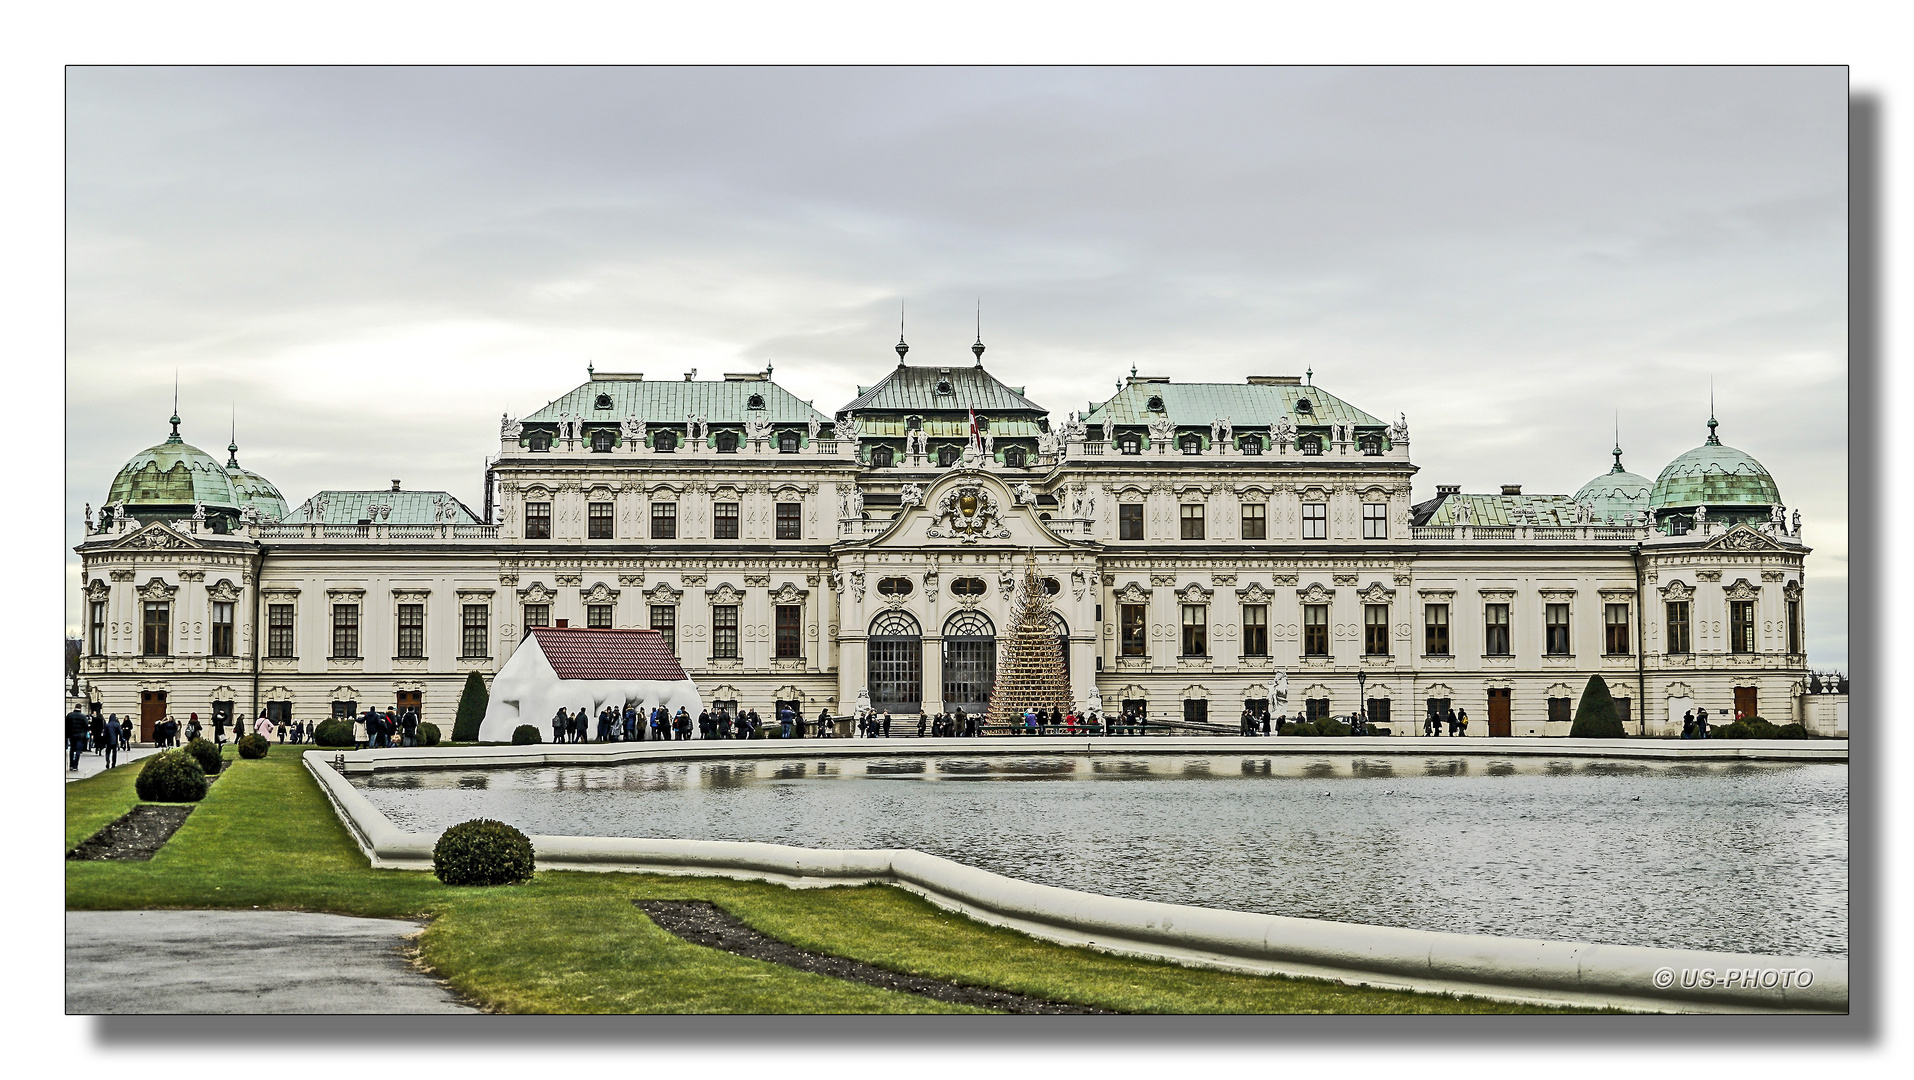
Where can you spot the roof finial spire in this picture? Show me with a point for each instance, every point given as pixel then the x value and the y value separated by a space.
pixel 901 347
pixel 977 350
pixel 1713 439
pixel 1618 443
pixel 589 372
pixel 174 437
pixel 232 441
pixel 1309 376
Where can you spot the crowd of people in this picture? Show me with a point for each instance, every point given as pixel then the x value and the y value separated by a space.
pixel 1455 720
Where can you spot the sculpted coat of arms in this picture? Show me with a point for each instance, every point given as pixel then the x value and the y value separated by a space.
pixel 967 513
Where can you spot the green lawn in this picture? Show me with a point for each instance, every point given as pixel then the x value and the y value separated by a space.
pixel 572 942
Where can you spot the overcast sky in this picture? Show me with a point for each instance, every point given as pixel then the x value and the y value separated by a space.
pixel 372 265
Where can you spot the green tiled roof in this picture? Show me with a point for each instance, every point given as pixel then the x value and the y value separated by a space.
pixel 1246 405
pixel 351 507
pixel 1616 494
pixel 909 389
pixel 664 401
pixel 254 490
pixel 173 473
pixel 1545 510
pixel 1714 475
pixel 949 429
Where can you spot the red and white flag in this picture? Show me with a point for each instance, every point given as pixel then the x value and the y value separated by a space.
pixel 975 439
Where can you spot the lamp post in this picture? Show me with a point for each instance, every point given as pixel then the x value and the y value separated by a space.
pixel 1362 693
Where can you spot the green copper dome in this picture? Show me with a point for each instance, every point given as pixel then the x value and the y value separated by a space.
pixel 1733 486
pixel 1617 495
pixel 252 489
pixel 174 474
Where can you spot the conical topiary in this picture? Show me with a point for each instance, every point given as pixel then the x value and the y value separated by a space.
pixel 1595 716
pixel 472 705
pixel 1029 664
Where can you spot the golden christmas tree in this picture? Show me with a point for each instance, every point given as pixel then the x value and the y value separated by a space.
pixel 1030 671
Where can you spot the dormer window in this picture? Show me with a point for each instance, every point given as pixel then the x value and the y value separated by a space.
pixel 1252 445
pixel 1156 403
pixel 787 442
pixel 947 456
pixel 1304 405
pixel 665 442
pixel 727 442
pixel 755 401
pixel 943 386
pixel 882 456
pixel 1310 445
pixel 1192 444
pixel 1371 445
pixel 983 423
pixel 1129 443
pixel 915 423
pixel 541 441
pixel 601 440
pixel 603 401
pixel 1014 457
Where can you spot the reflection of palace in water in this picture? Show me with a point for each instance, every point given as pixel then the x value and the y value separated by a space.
pixel 1196 538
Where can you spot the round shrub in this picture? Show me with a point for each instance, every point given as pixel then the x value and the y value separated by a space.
pixel 1596 716
pixel 525 735
pixel 334 732
pixel 171 776
pixel 252 746
pixel 429 734
pixel 204 752
pixel 482 852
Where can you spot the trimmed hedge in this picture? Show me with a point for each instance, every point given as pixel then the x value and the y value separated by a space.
pixel 252 746
pixel 1754 727
pixel 204 752
pixel 1595 715
pixel 429 734
pixel 525 735
pixel 171 776
pixel 472 705
pixel 482 852
pixel 1328 725
pixel 334 732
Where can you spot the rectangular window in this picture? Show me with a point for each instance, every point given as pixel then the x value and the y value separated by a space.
pixel 96 628
pixel 598 521
pixel 1255 521
pixel 1555 629
pixel 1741 626
pixel 1375 521
pixel 1193 521
pixel 1130 521
pixel 538 521
pixel 790 521
pixel 790 631
pixel 1794 626
pixel 411 631
pixel 1677 626
pixel 1378 710
pixel 156 624
pixel 724 521
pixel 1316 708
pixel 1315 521
pixel 664 619
pixel 537 615
pixel 279 630
pixel 664 521
pixel 1135 622
pixel 1615 629
pixel 724 631
pixel 1558 710
pixel 1435 629
pixel 597 616
pixel 345 630
pixel 1196 638
pixel 222 627
pixel 1375 629
pixel 1196 711
pixel 1495 629
pixel 1255 629
pixel 1315 629
pixel 475 632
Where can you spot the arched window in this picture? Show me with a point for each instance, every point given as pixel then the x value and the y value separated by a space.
pixel 665 442
pixel 1372 445
pixel 601 440
pixel 1063 640
pixel 947 456
pixel 541 441
pixel 1130 443
pixel 970 660
pixel 1192 444
pixel 727 442
pixel 882 456
pixel 1311 445
pixel 895 664
pixel 1014 457
pixel 787 442
pixel 1252 445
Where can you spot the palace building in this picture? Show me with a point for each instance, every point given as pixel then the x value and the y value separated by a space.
pixel 1196 539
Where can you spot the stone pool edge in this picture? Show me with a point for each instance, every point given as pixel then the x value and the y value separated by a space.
pixel 1579 974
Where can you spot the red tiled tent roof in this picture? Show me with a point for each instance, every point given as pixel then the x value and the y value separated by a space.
pixel 579 653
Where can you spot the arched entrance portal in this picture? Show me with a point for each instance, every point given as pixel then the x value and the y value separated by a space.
pixel 896 666
pixel 970 661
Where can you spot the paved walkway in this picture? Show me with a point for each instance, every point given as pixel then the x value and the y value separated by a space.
pixel 244 962
pixel 92 764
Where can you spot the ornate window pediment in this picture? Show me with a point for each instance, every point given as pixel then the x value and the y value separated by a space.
pixel 1315 593
pixel 97 590
pixel 410 596
pixel 537 593
pixel 475 596
pixel 1557 596
pixel 1436 596
pixel 1133 593
pixel 663 593
pixel 346 595
pixel 1676 591
pixel 1497 596
pixel 279 594
pixel 599 593
pixel 1194 594
pixel 223 591
pixel 157 590
pixel 1255 594
pixel 789 593
pixel 725 593
pixel 1194 489
pixel 1741 590
pixel 1792 590
pixel 158 536
pixel 537 493
pixel 663 487
pixel 1376 593
pixel 1743 538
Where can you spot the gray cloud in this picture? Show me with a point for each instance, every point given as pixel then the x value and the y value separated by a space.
pixel 374 263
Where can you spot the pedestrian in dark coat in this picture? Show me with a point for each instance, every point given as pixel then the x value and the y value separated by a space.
pixel 75 739
pixel 111 731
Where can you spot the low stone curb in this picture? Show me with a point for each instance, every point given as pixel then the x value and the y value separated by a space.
pixel 1577 974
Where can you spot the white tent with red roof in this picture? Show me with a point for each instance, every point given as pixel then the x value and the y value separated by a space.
pixel 574 668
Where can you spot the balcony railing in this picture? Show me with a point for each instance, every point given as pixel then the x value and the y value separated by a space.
pixel 308 531
pixel 1529 532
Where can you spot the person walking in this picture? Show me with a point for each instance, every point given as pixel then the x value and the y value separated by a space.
pixel 1688 724
pixel 1461 722
pixel 112 733
pixel 411 727
pixel 75 739
pixel 1701 723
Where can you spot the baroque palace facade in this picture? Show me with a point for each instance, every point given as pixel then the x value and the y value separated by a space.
pixel 1196 539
